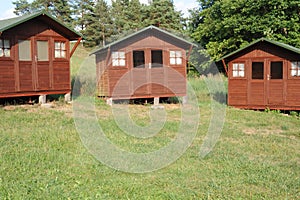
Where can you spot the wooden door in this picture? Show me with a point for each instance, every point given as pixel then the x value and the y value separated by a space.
pixel 42 62
pixel 140 74
pixel 275 83
pixel 26 66
pixel 256 95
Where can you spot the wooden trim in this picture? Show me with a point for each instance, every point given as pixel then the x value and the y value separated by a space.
pixel 225 67
pixel 75 46
pixel 190 51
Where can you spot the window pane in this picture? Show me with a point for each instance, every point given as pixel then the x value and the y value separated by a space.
pixel 115 62
pixel 294 72
pixel 138 59
pixel 121 54
pixel 276 70
pixel 172 61
pixel 179 61
pixel 63 54
pixel 63 46
pixel 178 54
pixel 7 52
pixel 115 54
pixel 57 53
pixel 235 74
pixel 24 50
pixel 1 44
pixel 42 50
pixel 57 45
pixel 242 67
pixel 242 74
pixel 257 70
pixel 1 53
pixel 6 44
pixel 122 62
pixel 235 66
pixel 172 54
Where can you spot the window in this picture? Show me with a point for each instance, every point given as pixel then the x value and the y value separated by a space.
pixel 24 50
pixel 118 58
pixel 175 57
pixel 4 48
pixel 42 50
pixel 295 70
pixel 60 50
pixel 157 58
pixel 238 70
pixel 257 70
pixel 276 70
pixel 138 59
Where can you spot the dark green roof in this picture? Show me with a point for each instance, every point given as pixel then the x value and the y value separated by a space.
pixel 166 33
pixel 285 46
pixel 7 24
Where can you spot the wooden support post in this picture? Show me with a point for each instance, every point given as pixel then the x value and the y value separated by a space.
pixel 225 67
pixel 75 47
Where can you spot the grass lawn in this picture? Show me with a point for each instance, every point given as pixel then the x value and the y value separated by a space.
pixel 42 157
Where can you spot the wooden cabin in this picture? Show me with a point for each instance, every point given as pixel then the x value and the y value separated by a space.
pixel 264 74
pixel 35 56
pixel 149 63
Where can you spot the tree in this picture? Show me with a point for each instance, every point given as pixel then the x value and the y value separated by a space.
pixel 162 13
pixel 22 7
pixel 101 25
pixel 227 25
pixel 58 8
pixel 83 13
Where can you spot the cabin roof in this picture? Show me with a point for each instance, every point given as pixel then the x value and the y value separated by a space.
pixel 279 44
pixel 7 24
pixel 152 30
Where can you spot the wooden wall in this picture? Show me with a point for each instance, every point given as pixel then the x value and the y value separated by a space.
pixel 245 92
pixel 166 81
pixel 28 78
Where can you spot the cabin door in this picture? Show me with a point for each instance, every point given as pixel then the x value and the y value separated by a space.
pixel 148 67
pixel 275 84
pixel 42 63
pixel 140 76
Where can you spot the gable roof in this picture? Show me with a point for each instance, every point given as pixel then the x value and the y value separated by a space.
pixel 152 30
pixel 279 44
pixel 7 24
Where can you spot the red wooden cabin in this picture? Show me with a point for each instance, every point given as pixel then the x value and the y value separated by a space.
pixel 150 63
pixel 35 56
pixel 264 74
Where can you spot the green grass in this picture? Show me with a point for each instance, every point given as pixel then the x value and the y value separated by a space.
pixel 256 157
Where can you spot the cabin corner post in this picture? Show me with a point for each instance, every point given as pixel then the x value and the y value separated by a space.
pixel 75 46
pixel 225 67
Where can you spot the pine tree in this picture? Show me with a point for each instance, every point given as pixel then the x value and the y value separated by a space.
pixel 162 13
pixel 83 11
pixel 22 7
pixel 101 26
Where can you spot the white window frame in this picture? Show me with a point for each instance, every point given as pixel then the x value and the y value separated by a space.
pixel 238 70
pixel 176 57
pixel 118 59
pixel 60 49
pixel 295 69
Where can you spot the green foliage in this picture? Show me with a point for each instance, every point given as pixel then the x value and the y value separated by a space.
pixel 223 26
pixel 61 9
pixel 99 21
